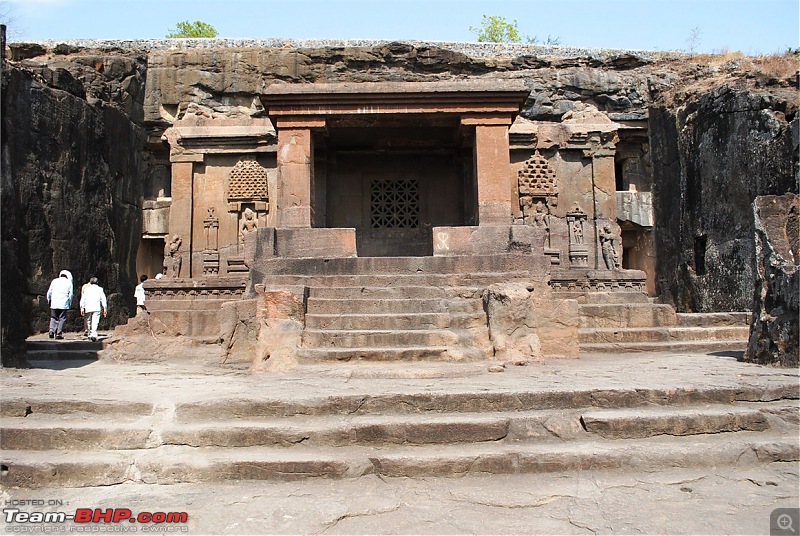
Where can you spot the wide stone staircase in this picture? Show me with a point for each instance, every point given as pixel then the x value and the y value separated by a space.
pixel 397 309
pixel 435 427
pixel 632 322
pixel 395 323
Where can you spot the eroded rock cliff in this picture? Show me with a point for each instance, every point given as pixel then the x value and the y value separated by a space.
pixel 71 198
pixel 712 156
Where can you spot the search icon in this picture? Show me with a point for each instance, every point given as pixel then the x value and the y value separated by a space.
pixel 785 523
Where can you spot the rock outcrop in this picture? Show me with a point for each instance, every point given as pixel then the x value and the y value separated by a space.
pixel 71 199
pixel 776 303
pixel 712 156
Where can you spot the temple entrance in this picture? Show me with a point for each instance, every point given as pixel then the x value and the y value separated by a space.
pixel 393 182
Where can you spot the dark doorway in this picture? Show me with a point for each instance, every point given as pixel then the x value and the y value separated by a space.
pixel 393 181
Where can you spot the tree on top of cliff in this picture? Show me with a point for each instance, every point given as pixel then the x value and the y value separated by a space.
pixel 192 29
pixel 496 29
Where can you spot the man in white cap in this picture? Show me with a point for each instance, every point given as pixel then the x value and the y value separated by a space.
pixel 59 296
pixel 93 302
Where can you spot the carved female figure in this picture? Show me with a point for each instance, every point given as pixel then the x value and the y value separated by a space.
pixel 172 257
pixel 610 254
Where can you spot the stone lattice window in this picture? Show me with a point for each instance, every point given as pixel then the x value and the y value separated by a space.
pixel 248 181
pixel 537 178
pixel 394 203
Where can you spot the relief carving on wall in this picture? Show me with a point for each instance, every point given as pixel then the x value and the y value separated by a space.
pixel 172 257
pixel 248 196
pixel 578 249
pixel 538 194
pixel 211 251
pixel 610 239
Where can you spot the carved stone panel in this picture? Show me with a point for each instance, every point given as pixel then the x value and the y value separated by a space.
pixel 578 248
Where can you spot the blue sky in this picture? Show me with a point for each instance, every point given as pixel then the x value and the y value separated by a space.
pixel 749 26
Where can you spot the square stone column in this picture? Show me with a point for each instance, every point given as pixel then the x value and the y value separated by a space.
pixel 296 171
pixel 492 168
pixel 605 185
pixel 180 212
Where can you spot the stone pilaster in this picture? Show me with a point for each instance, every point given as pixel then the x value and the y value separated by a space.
pixel 296 172
pixel 492 168
pixel 180 214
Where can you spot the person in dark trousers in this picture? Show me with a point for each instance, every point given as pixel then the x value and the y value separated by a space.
pixel 59 297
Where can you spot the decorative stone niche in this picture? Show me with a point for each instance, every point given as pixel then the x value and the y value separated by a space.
pixel 248 198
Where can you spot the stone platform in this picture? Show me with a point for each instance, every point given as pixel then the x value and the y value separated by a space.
pixel 152 435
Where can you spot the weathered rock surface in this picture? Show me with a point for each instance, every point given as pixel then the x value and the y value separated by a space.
pixel 71 191
pixel 528 324
pixel 712 156
pixel 776 310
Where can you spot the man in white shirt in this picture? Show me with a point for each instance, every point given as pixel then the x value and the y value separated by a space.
pixel 59 296
pixel 138 293
pixel 93 302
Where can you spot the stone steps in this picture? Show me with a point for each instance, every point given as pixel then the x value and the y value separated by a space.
pixel 378 430
pixel 389 280
pixel 72 347
pixel 735 318
pixel 181 464
pixel 661 334
pixel 311 355
pixel 400 321
pixel 626 315
pixel 699 346
pixel 388 306
pixel 395 292
pixel 436 265
pixel 335 338
pixel 424 428
pixel 356 322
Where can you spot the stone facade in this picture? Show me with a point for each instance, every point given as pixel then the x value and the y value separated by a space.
pixel 389 150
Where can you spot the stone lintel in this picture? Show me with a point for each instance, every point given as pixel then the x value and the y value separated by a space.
pixel 190 139
pixel 294 122
pixel 470 119
pixel 393 98
pixel 186 157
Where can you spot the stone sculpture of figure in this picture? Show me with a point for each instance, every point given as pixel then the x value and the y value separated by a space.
pixel 610 254
pixel 172 257
pixel 249 224
pixel 577 231
pixel 540 224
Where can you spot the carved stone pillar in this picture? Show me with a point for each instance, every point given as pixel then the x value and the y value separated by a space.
pixel 296 171
pixel 492 168
pixel 180 213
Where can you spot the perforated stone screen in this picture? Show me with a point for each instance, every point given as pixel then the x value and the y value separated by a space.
pixel 248 181
pixel 394 203
pixel 537 177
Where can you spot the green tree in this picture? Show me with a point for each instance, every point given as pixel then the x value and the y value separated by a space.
pixel 192 29
pixel 496 29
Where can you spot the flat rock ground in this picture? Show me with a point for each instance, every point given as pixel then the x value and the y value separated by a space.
pixel 675 501
pixel 707 500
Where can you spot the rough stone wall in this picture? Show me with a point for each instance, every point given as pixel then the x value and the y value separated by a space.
pixel 71 198
pixel 776 301
pixel 226 82
pixel 712 156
